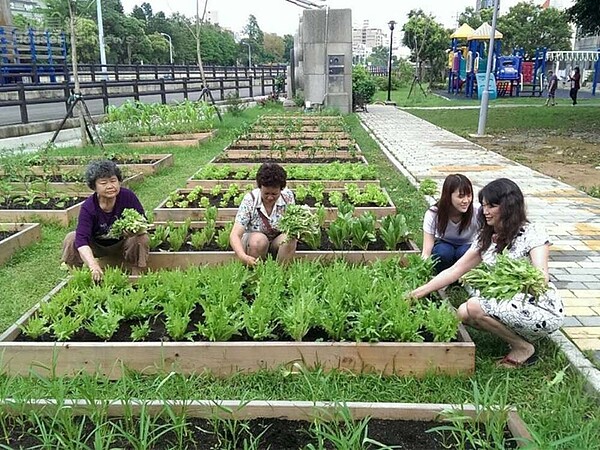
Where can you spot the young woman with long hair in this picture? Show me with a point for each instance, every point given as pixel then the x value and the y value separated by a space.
pixel 450 225
pixel 522 320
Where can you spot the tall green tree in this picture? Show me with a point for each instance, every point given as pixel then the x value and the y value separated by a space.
pixel 288 40
pixel 530 26
pixel 274 47
pixel 379 56
pixel 475 18
pixel 586 14
pixel 256 39
pixel 427 40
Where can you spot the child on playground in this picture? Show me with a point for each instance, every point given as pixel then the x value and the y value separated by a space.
pixel 450 226
pixel 552 85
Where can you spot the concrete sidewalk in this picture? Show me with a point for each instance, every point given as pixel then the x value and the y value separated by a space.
pixel 571 217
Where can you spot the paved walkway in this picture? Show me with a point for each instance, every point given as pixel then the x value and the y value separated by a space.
pixel 571 217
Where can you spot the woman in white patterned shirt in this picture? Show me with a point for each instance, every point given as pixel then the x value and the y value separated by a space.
pixel 255 232
pixel 522 320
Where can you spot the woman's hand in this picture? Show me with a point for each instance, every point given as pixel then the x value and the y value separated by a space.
pixel 249 260
pixel 97 273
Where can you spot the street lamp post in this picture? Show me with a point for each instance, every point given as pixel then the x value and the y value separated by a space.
pixel 170 46
pixel 101 36
pixel 485 96
pixel 391 24
pixel 249 53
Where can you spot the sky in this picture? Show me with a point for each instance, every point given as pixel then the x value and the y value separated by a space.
pixel 281 17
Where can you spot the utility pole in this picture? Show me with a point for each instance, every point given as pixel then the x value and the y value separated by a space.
pixel 5 14
pixel 77 91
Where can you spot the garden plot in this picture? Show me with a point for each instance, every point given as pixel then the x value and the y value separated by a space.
pixel 354 239
pixel 332 175
pixel 204 424
pixel 59 184
pixel 184 204
pixel 228 318
pixel 15 236
pixel 246 157
pixel 156 125
pixel 60 208
pixel 147 164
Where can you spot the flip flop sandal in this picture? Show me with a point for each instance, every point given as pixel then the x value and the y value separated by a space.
pixel 510 363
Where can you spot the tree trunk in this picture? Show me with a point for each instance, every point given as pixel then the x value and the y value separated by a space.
pixel 5 14
pixel 74 62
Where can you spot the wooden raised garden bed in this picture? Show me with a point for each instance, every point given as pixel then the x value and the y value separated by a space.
pixel 182 260
pixel 148 164
pixel 329 184
pixel 290 158
pixel 266 153
pixel 77 188
pixel 21 235
pixel 389 423
pixel 341 145
pixel 164 214
pixel 225 358
pixel 171 140
pixel 60 216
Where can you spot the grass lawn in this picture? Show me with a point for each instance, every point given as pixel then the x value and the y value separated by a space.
pixel 549 396
pixel 580 119
pixel 417 99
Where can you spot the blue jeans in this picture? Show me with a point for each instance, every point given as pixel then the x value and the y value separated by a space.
pixel 446 254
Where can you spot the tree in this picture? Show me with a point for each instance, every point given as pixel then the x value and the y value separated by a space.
pixel 475 18
pixel 288 40
pixel 256 39
pixel 529 26
pixel 428 41
pixel 274 47
pixel 586 14
pixel 379 56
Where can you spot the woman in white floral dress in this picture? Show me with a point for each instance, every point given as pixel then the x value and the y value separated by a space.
pixel 522 320
pixel 255 233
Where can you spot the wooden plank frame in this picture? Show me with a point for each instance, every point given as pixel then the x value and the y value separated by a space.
pixel 60 216
pixel 329 184
pixel 78 188
pixel 111 359
pixel 147 168
pixel 171 140
pixel 235 153
pixel 27 234
pixel 182 260
pixel 233 163
pixel 163 214
pixel 267 409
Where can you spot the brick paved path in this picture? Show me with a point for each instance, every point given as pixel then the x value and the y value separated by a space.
pixel 571 217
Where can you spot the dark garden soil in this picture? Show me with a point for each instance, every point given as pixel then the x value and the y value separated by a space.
pixel 57 178
pixel 215 200
pixel 290 146
pixel 291 160
pixel 158 333
pixel 6 234
pixel 21 203
pixel 77 160
pixel 235 176
pixel 275 434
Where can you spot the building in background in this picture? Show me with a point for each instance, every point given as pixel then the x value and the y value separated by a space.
pixel 365 38
pixel 212 17
pixel 483 4
pixel 26 8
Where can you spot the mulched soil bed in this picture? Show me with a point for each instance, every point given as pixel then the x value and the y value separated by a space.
pixel 277 434
pixel 215 200
pixel 158 333
pixel 326 245
pixel 38 205
pixel 77 160
pixel 58 178
pixel 316 160
pixel 6 234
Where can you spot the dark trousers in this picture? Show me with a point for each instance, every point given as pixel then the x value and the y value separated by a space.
pixel 573 95
pixel 446 254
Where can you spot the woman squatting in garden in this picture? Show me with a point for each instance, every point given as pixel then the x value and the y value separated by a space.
pixel 99 211
pixel 254 233
pixel 522 320
pixel 450 225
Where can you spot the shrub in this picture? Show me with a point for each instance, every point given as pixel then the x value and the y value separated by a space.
pixel 235 106
pixel 363 87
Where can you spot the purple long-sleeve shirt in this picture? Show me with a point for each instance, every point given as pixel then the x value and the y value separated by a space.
pixel 94 223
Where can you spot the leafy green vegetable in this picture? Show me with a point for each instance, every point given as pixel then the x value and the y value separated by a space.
pixel 298 221
pixel 507 278
pixel 131 222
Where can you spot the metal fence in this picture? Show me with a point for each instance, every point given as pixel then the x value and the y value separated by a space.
pixel 138 81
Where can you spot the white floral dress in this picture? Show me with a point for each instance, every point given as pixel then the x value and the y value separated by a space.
pixel 253 216
pixel 522 313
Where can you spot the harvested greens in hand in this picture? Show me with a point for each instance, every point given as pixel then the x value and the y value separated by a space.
pixel 131 222
pixel 298 221
pixel 507 278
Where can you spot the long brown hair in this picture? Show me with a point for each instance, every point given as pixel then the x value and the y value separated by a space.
pixel 508 196
pixel 453 182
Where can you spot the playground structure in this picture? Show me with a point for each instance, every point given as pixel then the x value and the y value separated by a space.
pixel 517 74
pixel 31 56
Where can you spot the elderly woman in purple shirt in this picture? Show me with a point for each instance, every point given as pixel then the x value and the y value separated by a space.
pixel 99 211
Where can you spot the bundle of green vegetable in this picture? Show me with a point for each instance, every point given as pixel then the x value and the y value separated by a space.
pixel 507 278
pixel 298 221
pixel 131 222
